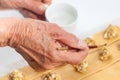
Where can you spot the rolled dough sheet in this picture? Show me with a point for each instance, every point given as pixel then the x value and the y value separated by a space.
pixel 97 70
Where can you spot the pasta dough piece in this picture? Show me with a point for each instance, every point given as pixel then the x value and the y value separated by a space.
pixel 105 54
pixel 96 68
pixel 82 67
pixel 110 32
pixel 90 42
pixel 99 37
pixel 16 75
pixel 51 76
pixel 109 73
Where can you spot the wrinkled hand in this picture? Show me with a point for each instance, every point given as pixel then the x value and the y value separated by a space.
pixel 37 41
pixel 29 8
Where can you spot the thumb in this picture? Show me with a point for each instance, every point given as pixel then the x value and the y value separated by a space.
pixel 35 6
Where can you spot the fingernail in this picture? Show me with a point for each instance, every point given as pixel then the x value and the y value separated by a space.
pixel 42 8
pixel 46 6
pixel 82 44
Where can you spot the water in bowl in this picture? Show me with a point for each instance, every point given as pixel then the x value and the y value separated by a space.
pixel 63 18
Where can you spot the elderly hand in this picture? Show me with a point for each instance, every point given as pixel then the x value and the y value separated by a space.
pixel 29 8
pixel 37 41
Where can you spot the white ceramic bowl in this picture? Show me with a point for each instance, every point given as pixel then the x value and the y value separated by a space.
pixel 63 14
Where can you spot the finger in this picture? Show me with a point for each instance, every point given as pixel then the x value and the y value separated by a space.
pixel 51 65
pixel 73 57
pixel 36 61
pixel 28 14
pixel 67 38
pixel 35 6
pixel 23 51
pixel 72 41
pixel 47 1
pixel 52 53
pixel 42 17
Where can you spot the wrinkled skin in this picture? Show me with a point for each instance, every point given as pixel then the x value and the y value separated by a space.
pixel 29 8
pixel 37 41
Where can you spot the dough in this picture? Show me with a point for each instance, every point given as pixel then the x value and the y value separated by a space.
pixel 97 69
